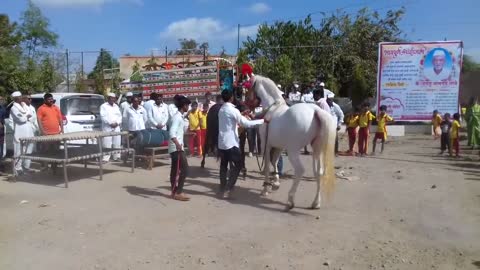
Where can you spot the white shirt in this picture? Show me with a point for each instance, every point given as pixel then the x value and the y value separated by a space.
pixel 228 120
pixel 33 120
pixel 337 114
pixel 177 130
pixel 432 76
pixel 158 115
pixel 295 96
pixel 136 119
pixel 110 114
pixel 172 109
pixel 148 104
pixel 322 103
pixel 307 98
pixel 210 104
pixel 124 106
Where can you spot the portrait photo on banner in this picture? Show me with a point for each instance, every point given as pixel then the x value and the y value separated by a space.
pixel 438 65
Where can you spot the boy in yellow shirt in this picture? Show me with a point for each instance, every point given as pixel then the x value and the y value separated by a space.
pixel 454 135
pixel 352 125
pixel 436 121
pixel 364 121
pixel 381 133
pixel 194 128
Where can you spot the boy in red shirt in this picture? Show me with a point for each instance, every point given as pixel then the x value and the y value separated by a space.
pixel 381 133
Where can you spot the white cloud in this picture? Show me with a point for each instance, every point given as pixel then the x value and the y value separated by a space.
pixel 81 3
pixel 260 8
pixel 204 29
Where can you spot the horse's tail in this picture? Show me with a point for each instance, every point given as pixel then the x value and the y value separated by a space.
pixel 324 149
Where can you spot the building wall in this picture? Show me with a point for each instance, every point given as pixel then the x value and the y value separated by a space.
pixel 127 62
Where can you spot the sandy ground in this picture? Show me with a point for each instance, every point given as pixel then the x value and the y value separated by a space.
pixel 410 209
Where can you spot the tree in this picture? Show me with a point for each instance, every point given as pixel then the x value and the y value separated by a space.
pixel 334 51
pixel 191 46
pixel 35 30
pixel 136 75
pixel 105 62
pixel 469 64
pixel 80 85
pixel 10 53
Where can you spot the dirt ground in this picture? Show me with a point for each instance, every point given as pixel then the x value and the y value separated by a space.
pixel 410 209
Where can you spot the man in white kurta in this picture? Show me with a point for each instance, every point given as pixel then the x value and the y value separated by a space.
pixel 124 106
pixel 33 123
pixel 111 121
pixel 21 118
pixel 295 95
pixel 136 116
pixel 158 114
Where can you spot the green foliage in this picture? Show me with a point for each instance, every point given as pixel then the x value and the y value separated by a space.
pixel 25 64
pixel 469 64
pixel 35 32
pixel 191 47
pixel 136 75
pixel 340 49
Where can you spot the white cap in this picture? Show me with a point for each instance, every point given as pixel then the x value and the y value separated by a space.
pixel 129 94
pixel 111 95
pixel 16 94
pixel 330 95
pixel 322 84
pixel 438 53
pixel 296 85
pixel 279 85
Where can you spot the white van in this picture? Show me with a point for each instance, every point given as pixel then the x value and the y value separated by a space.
pixel 80 112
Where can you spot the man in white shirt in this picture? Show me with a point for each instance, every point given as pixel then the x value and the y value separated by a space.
pixel 33 120
pixel 124 106
pixel 228 141
pixel 337 116
pixel 307 96
pixel 148 104
pixel 158 114
pixel 294 96
pixel 136 116
pixel 111 121
pixel 179 169
pixel 22 128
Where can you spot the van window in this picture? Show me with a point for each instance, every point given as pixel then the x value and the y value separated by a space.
pixel 37 102
pixel 79 105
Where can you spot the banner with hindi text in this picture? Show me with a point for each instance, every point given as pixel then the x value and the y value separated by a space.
pixel 416 78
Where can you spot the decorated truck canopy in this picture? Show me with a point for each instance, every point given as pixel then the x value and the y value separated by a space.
pixel 192 79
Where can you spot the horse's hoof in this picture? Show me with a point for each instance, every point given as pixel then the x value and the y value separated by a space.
pixel 290 206
pixel 315 205
pixel 264 193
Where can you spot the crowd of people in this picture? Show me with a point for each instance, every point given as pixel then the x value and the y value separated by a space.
pixel 186 118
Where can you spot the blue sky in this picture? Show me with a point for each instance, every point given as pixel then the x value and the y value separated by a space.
pixel 138 26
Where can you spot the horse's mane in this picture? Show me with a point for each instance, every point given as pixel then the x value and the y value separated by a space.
pixel 270 87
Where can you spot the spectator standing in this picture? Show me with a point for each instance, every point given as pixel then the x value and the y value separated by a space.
pixel 445 126
pixel 135 116
pixel 158 114
pixel 337 115
pixel 22 128
pixel 111 122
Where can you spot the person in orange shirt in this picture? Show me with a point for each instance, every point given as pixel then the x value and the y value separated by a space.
pixel 203 122
pixel 352 125
pixel 454 135
pixel 382 119
pixel 436 121
pixel 364 121
pixel 50 123
pixel 194 127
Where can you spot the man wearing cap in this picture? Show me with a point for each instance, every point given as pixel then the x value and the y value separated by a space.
pixel 158 114
pixel 337 116
pixel 111 121
pixel 21 116
pixel 438 72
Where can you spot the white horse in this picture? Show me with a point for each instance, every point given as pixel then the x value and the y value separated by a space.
pixel 291 128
